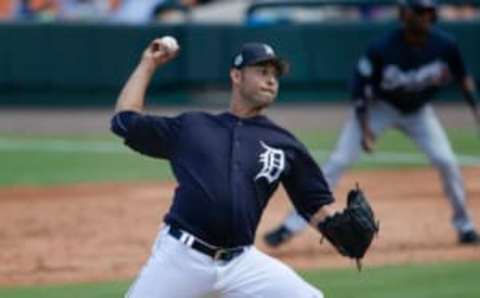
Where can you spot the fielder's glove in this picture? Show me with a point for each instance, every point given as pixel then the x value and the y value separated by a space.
pixel 351 231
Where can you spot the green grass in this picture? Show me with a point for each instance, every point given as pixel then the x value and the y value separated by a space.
pixel 35 160
pixel 98 290
pixel 45 168
pixel 441 280
pixel 463 141
pixel 30 161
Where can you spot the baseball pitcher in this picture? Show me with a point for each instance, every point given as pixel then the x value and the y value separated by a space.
pixel 228 166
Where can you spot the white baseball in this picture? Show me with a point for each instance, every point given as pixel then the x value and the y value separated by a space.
pixel 170 43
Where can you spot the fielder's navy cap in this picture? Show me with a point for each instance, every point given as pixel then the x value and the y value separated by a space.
pixel 253 53
pixel 425 4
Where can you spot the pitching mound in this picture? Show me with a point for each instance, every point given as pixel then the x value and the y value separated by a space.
pixel 104 232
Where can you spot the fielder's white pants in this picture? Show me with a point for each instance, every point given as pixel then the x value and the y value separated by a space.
pixel 175 270
pixel 425 130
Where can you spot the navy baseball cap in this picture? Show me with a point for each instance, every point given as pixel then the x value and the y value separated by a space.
pixel 254 53
pixel 420 6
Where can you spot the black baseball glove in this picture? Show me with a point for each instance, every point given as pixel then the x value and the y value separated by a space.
pixel 351 231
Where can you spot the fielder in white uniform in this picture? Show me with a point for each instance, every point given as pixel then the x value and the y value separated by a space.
pixel 393 84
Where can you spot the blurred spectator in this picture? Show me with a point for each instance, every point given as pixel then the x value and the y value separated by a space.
pixel 146 11
pixel 176 11
pixel 378 12
pixel 65 10
pixel 84 10
pixel 135 11
pixel 172 12
pixel 220 12
pixel 298 13
pixel 37 10
pixel 465 11
pixel 7 8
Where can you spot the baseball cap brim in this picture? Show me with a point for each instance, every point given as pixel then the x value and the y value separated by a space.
pixel 282 65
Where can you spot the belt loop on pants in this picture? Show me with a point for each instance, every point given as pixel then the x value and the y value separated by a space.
pixel 216 253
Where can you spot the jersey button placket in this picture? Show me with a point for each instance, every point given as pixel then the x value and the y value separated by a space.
pixel 236 169
pixel 236 147
pixel 236 158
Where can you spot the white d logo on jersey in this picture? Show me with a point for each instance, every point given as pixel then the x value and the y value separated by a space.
pixel 273 163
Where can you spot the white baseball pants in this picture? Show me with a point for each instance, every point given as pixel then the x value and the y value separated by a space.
pixel 176 270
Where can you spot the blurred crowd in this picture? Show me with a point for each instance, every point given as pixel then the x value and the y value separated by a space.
pixel 223 11
pixel 116 11
pixel 463 10
pixel 460 10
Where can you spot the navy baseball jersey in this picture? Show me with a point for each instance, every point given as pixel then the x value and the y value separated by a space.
pixel 406 76
pixel 227 168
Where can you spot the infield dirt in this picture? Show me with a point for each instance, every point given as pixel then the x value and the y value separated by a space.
pixel 94 232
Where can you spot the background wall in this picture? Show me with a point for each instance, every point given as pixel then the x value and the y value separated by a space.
pixel 68 64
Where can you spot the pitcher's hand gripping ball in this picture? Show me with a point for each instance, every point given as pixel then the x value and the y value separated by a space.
pixel 351 231
pixel 170 43
pixel 160 51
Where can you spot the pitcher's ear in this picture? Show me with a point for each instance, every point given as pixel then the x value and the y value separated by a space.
pixel 235 75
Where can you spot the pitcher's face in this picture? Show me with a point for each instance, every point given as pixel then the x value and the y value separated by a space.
pixel 258 84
